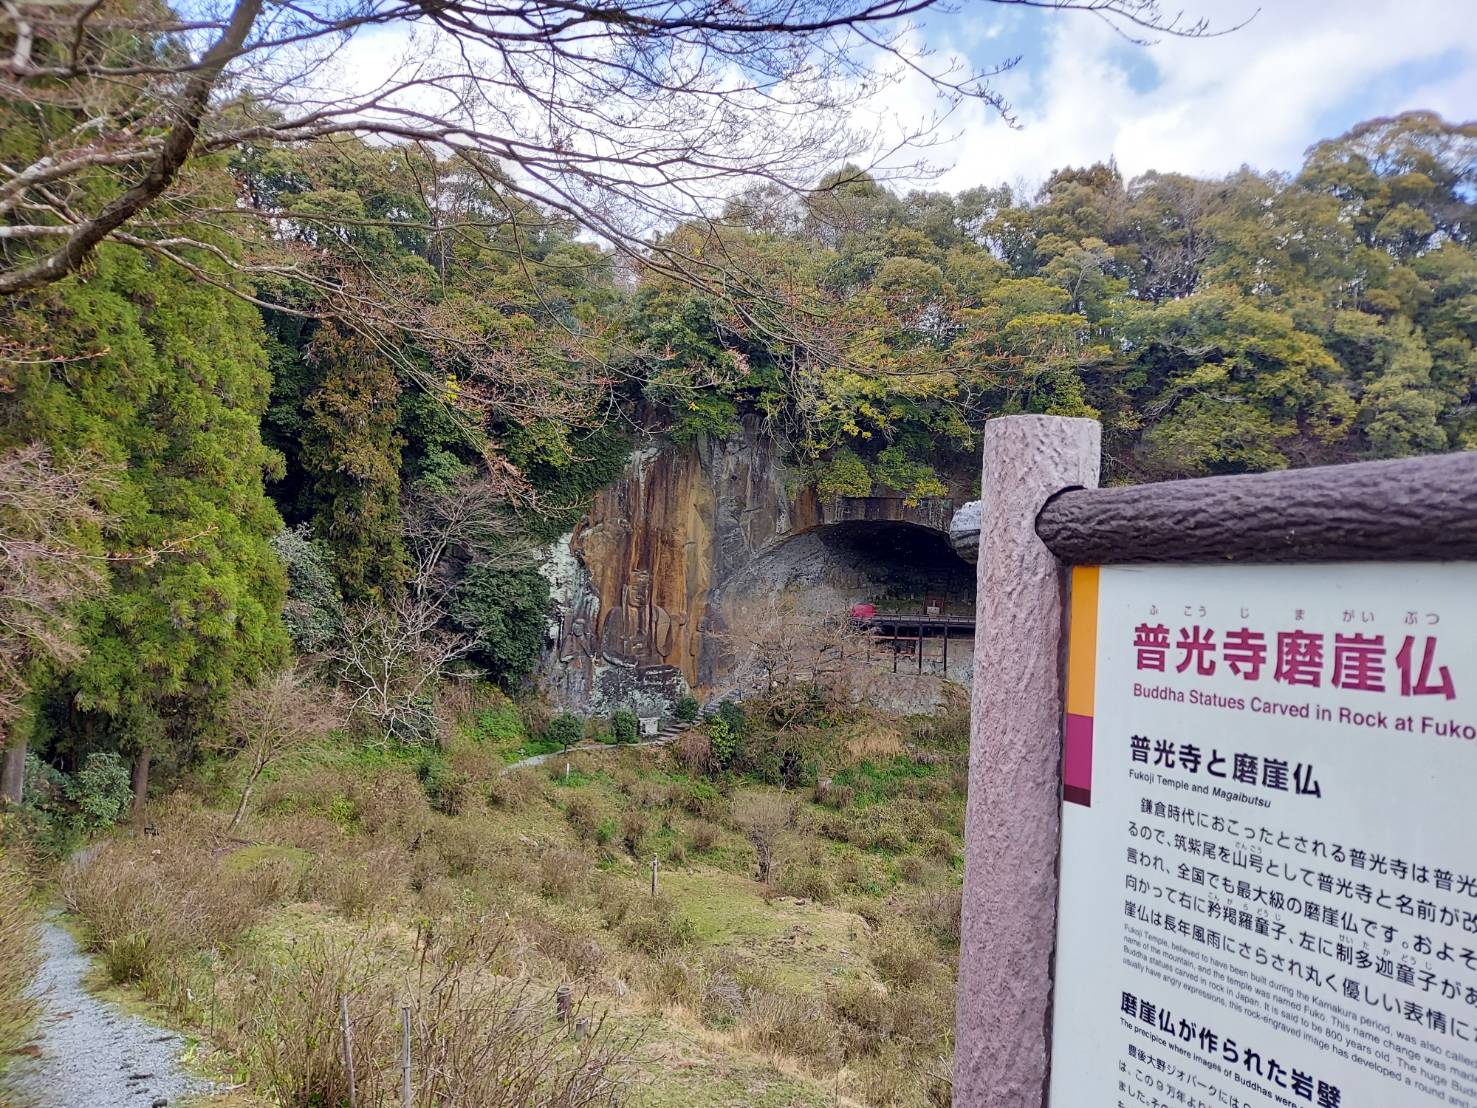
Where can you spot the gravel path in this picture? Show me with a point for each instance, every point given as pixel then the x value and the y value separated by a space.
pixel 591 748
pixel 90 1055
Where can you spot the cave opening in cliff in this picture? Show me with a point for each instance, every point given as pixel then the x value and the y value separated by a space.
pixel 903 567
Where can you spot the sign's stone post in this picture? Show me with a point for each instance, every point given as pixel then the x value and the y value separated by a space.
pixel 1013 817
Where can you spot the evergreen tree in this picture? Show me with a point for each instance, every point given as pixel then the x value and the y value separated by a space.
pixel 164 378
pixel 351 454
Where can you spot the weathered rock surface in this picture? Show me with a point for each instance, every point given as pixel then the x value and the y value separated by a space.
pixel 964 530
pixel 685 534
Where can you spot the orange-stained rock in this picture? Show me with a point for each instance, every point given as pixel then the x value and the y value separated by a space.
pixel 684 532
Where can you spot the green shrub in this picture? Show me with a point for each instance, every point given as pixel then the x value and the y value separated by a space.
pixel 101 790
pixel 652 927
pixel 915 479
pixel 807 883
pixel 736 718
pixel 901 956
pixel 505 610
pixel 687 709
pixel 446 789
pixel 843 474
pixel 499 725
pixel 722 743
pixel 703 413
pixel 566 729
pixel 624 726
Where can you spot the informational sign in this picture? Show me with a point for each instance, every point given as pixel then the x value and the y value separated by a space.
pixel 1269 840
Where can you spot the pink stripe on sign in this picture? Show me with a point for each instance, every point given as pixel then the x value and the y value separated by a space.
pixel 1077 761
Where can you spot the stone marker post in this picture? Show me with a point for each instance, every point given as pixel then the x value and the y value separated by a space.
pixel 1012 824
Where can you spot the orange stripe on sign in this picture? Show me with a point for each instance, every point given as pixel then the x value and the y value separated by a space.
pixel 1082 641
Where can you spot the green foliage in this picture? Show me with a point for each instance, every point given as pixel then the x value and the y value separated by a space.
pixel 1214 326
pixel 312 608
pixel 687 709
pixel 624 726
pixel 351 452
pixel 166 378
pixel 506 610
pixel 723 740
pixel 843 473
pixel 502 724
pixel 100 791
pixel 733 715
pixel 567 479
pixel 704 413
pixel 915 479
pixel 871 782
pixel 566 729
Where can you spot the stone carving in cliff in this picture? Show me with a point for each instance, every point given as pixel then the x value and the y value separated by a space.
pixel 646 576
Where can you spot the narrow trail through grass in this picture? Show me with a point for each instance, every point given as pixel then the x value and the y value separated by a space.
pixel 88 1054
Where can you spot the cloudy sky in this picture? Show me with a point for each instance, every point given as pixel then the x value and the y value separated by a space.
pixel 1298 71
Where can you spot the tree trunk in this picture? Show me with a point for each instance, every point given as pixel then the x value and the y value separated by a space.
pixel 241 807
pixel 13 775
pixel 140 787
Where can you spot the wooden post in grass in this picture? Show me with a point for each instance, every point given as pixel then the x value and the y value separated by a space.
pixel 563 1003
pixel 653 874
pixel 343 1004
pixel 405 1056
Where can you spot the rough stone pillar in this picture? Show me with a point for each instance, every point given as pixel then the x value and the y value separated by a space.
pixel 1012 825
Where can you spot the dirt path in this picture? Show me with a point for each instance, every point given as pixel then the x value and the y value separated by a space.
pixel 88 1053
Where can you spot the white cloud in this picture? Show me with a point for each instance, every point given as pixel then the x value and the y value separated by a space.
pixel 1257 96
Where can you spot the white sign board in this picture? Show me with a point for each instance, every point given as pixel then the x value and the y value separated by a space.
pixel 1269 840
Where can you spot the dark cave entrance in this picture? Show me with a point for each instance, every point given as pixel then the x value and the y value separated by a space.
pixel 904 569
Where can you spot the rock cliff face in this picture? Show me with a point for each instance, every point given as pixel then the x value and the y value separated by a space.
pixel 686 533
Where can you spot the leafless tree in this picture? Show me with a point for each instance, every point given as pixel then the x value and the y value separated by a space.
pixel 464 522
pixel 46 510
pixel 391 656
pixel 622 116
pixel 790 657
pixel 761 819
pixel 271 719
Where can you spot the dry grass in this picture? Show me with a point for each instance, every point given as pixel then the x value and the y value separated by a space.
pixel 352 882
pixel 779 1021
pixel 902 956
pixel 18 957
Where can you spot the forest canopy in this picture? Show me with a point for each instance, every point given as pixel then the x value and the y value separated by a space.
pixel 355 454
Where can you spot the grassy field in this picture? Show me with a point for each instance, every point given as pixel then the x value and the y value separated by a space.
pixel 441 880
